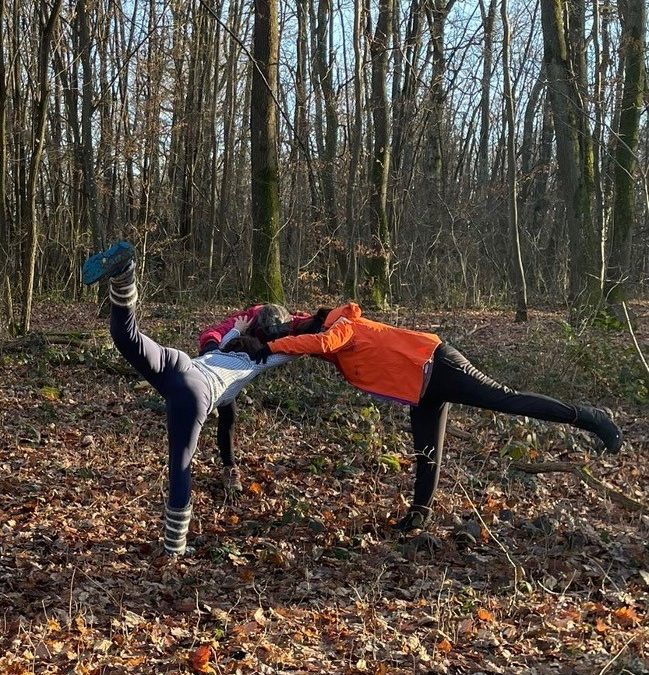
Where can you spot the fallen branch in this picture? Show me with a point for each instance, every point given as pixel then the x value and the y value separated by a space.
pixel 35 339
pixel 582 471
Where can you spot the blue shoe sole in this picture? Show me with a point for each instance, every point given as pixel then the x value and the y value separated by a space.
pixel 107 263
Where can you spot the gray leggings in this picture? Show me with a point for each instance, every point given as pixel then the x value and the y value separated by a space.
pixel 184 388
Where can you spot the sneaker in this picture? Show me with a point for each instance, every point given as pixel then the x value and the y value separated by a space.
pixel 108 263
pixel 232 482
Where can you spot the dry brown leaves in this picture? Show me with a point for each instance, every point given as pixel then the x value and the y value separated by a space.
pixel 304 574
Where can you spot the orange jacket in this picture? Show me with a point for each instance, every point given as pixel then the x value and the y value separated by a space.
pixel 375 357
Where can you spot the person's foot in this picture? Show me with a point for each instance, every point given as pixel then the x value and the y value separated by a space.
pixel 232 483
pixel 416 519
pixel 108 263
pixel 598 422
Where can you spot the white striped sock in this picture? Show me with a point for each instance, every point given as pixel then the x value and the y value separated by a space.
pixel 123 291
pixel 176 529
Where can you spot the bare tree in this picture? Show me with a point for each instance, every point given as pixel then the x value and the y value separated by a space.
pixel 488 16
pixel 29 216
pixel 633 44
pixel 266 282
pixel 574 152
pixel 379 258
pixel 520 286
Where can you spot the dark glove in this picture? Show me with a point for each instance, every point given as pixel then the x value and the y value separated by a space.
pixel 261 355
pixel 210 346
pixel 416 519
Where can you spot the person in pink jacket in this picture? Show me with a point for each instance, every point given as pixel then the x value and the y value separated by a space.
pixel 268 322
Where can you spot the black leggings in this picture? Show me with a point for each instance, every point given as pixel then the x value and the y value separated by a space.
pixel 455 380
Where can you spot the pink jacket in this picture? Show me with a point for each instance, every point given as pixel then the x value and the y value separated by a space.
pixel 217 331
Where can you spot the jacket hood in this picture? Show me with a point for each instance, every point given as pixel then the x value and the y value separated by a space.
pixel 349 311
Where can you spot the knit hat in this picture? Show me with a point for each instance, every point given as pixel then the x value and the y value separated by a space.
pixel 271 319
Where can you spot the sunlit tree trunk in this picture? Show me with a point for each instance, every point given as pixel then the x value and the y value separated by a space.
pixel 379 259
pixel 574 153
pixel 519 283
pixel 29 216
pixel 633 45
pixel 266 281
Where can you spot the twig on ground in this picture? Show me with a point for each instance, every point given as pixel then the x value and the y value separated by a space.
pixel 582 471
pixel 519 572
pixel 633 337
pixel 619 652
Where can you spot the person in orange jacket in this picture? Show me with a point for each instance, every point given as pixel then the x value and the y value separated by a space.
pixel 421 371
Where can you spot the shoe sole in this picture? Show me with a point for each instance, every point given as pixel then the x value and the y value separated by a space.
pixel 107 263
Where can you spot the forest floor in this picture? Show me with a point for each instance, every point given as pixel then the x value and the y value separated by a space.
pixel 518 573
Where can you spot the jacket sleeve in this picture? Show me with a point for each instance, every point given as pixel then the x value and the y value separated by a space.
pixel 217 331
pixel 332 340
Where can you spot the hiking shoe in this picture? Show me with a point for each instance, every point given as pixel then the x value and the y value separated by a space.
pixel 108 263
pixel 232 483
pixel 599 423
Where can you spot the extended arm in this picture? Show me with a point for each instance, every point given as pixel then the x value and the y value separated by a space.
pixel 216 332
pixel 332 340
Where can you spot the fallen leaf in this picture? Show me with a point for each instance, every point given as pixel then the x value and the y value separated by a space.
pixel 53 625
pixel 444 646
pixel 600 626
pixel 626 616
pixel 259 617
pixel 50 393
pixel 185 605
pixel 200 659
pixel 246 628
pixel 466 627
pixel 256 489
pixel 485 615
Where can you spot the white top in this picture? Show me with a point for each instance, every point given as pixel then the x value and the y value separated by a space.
pixel 229 372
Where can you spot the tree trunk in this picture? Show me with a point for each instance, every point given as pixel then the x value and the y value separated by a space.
pixel 574 154
pixel 266 281
pixel 86 150
pixel 633 46
pixel 355 147
pixel 488 17
pixel 519 283
pixel 324 65
pixel 379 259
pixel 29 216
pixel 4 225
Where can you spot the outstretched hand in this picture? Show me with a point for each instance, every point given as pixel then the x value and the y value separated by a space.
pixel 242 324
pixel 261 355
